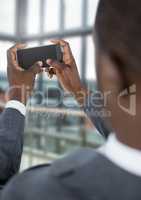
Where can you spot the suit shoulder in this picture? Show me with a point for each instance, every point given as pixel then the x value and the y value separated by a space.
pixel 48 181
pixel 74 161
pixel 36 183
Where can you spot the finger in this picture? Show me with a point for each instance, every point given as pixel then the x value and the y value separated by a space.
pixel 16 47
pixel 49 72
pixel 63 79
pixel 66 47
pixel 60 71
pixel 36 68
pixel 56 65
pixel 11 53
pixel 62 43
pixel 52 70
pixel 59 41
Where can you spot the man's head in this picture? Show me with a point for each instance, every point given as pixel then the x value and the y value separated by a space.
pixel 118 30
pixel 117 38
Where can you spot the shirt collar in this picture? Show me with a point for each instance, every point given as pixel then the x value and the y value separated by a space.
pixel 122 155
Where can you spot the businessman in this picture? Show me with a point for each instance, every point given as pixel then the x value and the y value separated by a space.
pixel 113 171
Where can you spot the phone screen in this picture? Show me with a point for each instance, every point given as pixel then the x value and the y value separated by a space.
pixel 27 57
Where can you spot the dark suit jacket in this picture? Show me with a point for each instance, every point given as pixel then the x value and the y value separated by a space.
pixel 84 175
pixel 11 141
pixel 11 144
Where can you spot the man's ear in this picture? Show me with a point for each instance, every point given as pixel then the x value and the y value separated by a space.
pixel 110 75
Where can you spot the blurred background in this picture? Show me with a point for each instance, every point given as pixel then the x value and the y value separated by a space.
pixel 53 127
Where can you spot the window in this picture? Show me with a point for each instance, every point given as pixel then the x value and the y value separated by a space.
pixel 33 17
pixel 92 7
pixel 75 44
pixel 4 46
pixel 33 44
pixel 55 13
pixel 73 14
pixel 52 15
pixel 7 16
pixel 90 66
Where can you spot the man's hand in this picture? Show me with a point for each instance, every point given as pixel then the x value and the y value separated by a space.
pixel 21 82
pixel 67 72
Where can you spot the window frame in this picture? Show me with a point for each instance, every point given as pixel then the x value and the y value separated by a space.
pixel 21 29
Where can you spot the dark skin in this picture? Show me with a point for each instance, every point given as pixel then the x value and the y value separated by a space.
pixel 21 82
pixel 67 73
pixel 112 78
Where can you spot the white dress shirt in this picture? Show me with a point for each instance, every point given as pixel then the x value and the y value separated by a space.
pixel 17 106
pixel 125 157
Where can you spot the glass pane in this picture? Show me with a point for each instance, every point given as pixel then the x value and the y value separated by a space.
pixel 92 7
pixel 75 44
pixel 73 13
pixel 4 46
pixel 90 67
pixel 52 13
pixel 47 42
pixel 33 44
pixel 33 17
pixel 7 16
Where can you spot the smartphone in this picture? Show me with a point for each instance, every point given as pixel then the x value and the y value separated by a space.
pixel 27 57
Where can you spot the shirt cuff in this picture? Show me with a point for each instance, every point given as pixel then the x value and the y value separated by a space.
pixel 16 105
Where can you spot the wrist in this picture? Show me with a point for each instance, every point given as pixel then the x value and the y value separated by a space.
pixel 81 95
pixel 19 94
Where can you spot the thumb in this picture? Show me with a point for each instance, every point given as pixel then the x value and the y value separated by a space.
pixel 56 65
pixel 36 68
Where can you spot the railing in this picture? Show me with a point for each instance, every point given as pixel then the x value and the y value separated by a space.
pixel 48 142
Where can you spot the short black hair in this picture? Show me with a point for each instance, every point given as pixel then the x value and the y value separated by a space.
pixel 118 30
